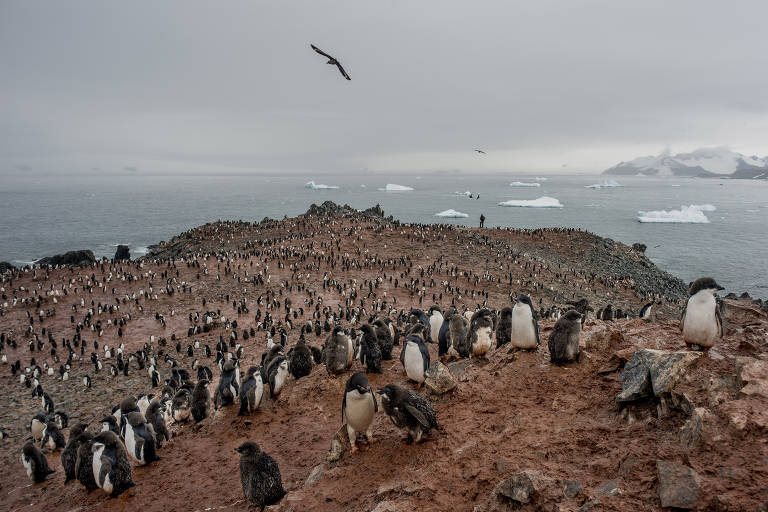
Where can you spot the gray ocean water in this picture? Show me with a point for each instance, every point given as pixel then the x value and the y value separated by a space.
pixel 45 216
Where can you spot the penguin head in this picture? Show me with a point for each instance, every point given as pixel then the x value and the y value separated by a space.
pixel 573 315
pixel 704 283
pixel 249 449
pixel 525 300
pixel 358 382
pixel 388 393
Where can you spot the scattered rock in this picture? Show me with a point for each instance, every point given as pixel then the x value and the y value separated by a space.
pixel 459 368
pixel 752 376
pixel 679 486
pixel 609 488
pixel 697 429
pixel 438 379
pixel 339 445
pixel 750 412
pixel 602 338
pixel 653 373
pixel 572 488
pixel 314 475
pixel 76 258
pixel 741 313
pixel 122 253
pixel 521 487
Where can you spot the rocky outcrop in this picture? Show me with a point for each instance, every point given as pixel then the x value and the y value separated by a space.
pixel 5 267
pixel 122 253
pixel 679 486
pixel 331 209
pixel 75 258
pixel 653 373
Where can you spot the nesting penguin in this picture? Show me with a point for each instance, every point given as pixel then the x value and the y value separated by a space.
pixel 359 406
pixel 259 475
pixel 35 463
pixel 408 410
pixel 370 350
pixel 524 333
pixel 701 321
pixel 111 467
pixel 201 401
pixel 252 391
pixel 77 434
pixel 300 364
pixel 228 388
pixel 564 339
pixel 481 329
pixel 415 357
pixel 338 352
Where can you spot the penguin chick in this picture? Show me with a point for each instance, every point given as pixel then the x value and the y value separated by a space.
pixel 278 373
pixel 458 335
pixel 338 352
pixel 53 439
pixel 180 406
pixel 370 351
pixel 252 392
pixel 110 423
pixel 701 321
pixel 69 456
pixel 359 406
pixel 84 463
pixel 140 439
pixel 408 410
pixel 35 463
pixel 564 339
pixel 156 418
pixel 300 364
pixel 481 328
pixel 201 401
pixel 384 337
pixel 504 328
pixel 111 467
pixel 260 476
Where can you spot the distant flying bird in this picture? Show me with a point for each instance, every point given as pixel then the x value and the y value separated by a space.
pixel 480 151
pixel 331 60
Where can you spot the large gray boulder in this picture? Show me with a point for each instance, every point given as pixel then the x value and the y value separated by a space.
pixel 653 373
pixel 438 379
pixel 76 258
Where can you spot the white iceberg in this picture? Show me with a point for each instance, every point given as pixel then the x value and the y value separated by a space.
pixel 521 184
pixel 539 178
pixel 692 214
pixel 452 214
pixel 315 186
pixel 466 193
pixel 391 187
pixel 605 184
pixel 542 202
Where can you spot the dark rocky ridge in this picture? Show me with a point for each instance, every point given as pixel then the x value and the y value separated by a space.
pixel 122 253
pixel 77 258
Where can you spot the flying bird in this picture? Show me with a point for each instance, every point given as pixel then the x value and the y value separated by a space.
pixel 480 151
pixel 331 60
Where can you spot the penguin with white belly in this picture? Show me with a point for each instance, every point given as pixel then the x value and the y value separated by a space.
pixel 140 439
pixel 111 467
pixel 481 329
pixel 359 407
pixel 415 357
pixel 524 333
pixel 435 323
pixel 701 321
pixel 278 374
pixel 252 391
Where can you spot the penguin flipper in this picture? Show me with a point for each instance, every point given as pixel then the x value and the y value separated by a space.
pixel 424 355
pixel 536 330
pixel 682 316
pixel 344 406
pixel 418 415
pixel 719 319
pixel 375 402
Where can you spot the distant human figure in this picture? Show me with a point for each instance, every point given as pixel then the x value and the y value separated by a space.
pixel 478 196
pixel 482 220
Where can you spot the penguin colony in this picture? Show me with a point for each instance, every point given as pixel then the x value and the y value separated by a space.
pixel 358 322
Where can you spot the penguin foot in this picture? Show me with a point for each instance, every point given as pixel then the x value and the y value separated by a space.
pixel 353 449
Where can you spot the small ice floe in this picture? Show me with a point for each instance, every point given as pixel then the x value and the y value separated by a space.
pixel 524 184
pixel 319 186
pixel 452 214
pixel 392 187
pixel 692 214
pixel 605 184
pixel 542 202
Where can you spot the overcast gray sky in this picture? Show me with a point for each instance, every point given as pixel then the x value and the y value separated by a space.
pixel 233 86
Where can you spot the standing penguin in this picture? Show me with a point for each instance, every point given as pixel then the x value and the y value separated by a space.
pixel 564 339
pixel 53 439
pixel 458 335
pixel 156 418
pixel 180 405
pixel 481 329
pixel 525 328
pixel 228 388
pixel 77 435
pixel 701 321
pixel 201 401
pixel 338 352
pixel 435 323
pixel 370 351
pixel 252 392
pixel 385 339
pixel 110 423
pixel 37 424
pixel 300 364
pixel 408 410
pixel 84 464
pixel 359 406
pixel 140 439
pixel 418 316
pixel 260 476
pixel 504 329
pixel 444 335
pixel 111 467
pixel 415 357
pixel 278 374
pixel 35 463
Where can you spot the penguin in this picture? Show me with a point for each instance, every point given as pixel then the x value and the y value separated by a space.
pixel 180 405
pixel 300 364
pixel 228 388
pixel 203 372
pixel 201 401
pixel 84 463
pixel 37 424
pixel 481 329
pixel 61 418
pixel 384 337
pixel 408 410
pixel 525 329
pixel 418 316
pixel 140 439
pixel 370 351
pixel 156 418
pixel 278 374
pixel 701 321
pixel 143 403
pixel 337 351
pixel 47 403
pixel 415 357
pixel 564 339
pixel 359 406
pixel 443 336
pixel 110 423
pixel 87 381
pixel 260 476
pixel 458 335
pixel 266 359
pixel 252 391
pixel 435 323
pixel 35 463
pixel 77 434
pixel 504 329
pixel 607 315
pixel 111 467
pixel 53 439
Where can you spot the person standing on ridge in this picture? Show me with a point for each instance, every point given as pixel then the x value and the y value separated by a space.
pixel 482 220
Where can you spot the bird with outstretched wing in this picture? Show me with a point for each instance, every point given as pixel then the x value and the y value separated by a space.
pixel 331 60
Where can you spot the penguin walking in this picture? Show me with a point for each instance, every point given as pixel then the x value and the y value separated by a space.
pixel 701 321
pixel 415 357
pixel 359 406
pixel 228 388
pixel 252 392
pixel 156 418
pixel 259 475
pixel 111 467
pixel 53 439
pixel 564 339
pixel 338 352
pixel 408 410
pixel 525 329
pixel 300 364
pixel 277 374
pixel 140 439
pixel 481 329
pixel 201 401
pixel 370 351
pixel 77 434
pixel 35 463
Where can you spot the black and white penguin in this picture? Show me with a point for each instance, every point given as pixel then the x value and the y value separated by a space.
pixel 203 372
pixel 300 364
pixel 229 387
pixel 143 403
pixel 47 403
pixel 359 406
pixel 37 424
pixel 35 463
pixel 338 352
pixel 408 410
pixel 415 357
pixel 110 423
pixel 277 375
pixel 504 328
pixel 525 328
pixel 418 316
pixel 84 463
pixel 481 329
pixel 140 439
pixel 61 418
pixel 370 350
pixel 201 401
pixel 53 439
pixel 87 381
pixel 646 311
pixel 77 434
pixel 260 476
pixel 252 392
pixel 564 339
pixel 385 339
pixel 458 335
pixel 701 321
pixel 156 417
pixel 435 324
pixel 443 336
pixel 111 467
pixel 180 405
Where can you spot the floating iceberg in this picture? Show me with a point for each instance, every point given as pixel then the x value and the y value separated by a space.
pixel 314 186
pixel 452 214
pixel 539 178
pixel 542 202
pixel 521 184
pixel 391 187
pixel 605 184
pixel 693 214
pixel 467 193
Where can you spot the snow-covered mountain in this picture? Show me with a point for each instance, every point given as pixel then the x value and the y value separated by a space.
pixel 708 162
